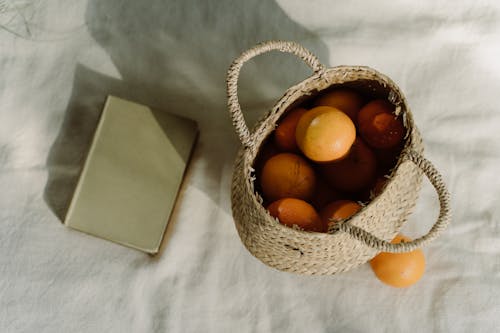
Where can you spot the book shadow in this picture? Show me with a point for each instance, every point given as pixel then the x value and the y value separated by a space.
pixel 179 70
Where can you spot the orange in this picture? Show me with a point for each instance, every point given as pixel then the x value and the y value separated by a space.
pixel 291 211
pixel 345 99
pixel 284 135
pixel 339 210
pixel 372 108
pixel 267 151
pixel 353 173
pixel 287 175
pixel 325 134
pixel 379 186
pixel 379 126
pixel 399 269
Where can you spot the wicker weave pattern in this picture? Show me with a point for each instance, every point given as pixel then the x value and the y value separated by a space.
pixel 356 240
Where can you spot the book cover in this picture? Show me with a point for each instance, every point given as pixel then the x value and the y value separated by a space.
pixel 132 174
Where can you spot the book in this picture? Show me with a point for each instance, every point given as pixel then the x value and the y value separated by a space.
pixel 132 174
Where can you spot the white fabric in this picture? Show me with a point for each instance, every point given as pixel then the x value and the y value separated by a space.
pixel 58 61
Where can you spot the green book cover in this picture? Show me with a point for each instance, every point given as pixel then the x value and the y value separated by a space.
pixel 133 172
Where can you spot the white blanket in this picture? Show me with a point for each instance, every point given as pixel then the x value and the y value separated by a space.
pixel 59 60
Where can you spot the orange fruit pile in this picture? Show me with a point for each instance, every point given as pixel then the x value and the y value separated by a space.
pixel 332 151
pixel 327 158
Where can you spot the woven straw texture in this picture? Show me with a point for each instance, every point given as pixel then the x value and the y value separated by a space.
pixel 352 242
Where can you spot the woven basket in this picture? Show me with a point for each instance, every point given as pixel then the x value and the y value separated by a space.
pixel 357 239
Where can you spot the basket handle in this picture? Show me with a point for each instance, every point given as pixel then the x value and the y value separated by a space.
pixel 234 71
pixel 442 222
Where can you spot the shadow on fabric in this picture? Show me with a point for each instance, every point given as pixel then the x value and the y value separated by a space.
pixel 173 56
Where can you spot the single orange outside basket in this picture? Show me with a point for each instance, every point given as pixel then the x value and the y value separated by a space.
pixel 359 238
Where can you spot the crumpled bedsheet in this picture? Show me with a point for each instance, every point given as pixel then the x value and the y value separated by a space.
pixel 59 60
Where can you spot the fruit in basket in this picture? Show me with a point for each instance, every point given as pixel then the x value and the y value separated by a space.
pixel 379 186
pixel 353 173
pixel 314 156
pixel 345 99
pixel 325 134
pixel 292 211
pixel 267 151
pixel 287 175
pixel 379 126
pixel 339 210
pixel 399 269
pixel 284 135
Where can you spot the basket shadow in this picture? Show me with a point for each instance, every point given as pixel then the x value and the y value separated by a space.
pixel 173 57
